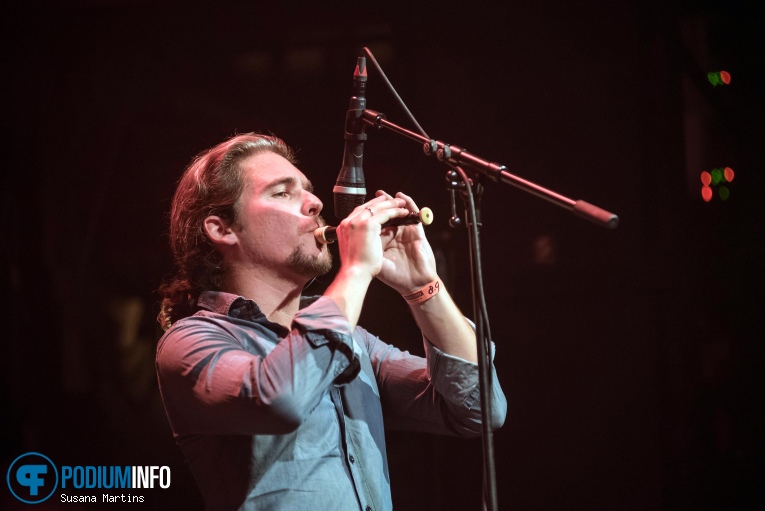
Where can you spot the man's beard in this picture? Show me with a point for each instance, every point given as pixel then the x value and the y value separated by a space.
pixel 310 266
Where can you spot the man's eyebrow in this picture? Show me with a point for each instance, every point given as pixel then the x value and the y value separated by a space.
pixel 289 181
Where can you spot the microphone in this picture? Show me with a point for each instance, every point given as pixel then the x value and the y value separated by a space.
pixel 350 189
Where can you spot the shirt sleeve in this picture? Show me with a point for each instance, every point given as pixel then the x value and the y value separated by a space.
pixel 437 394
pixel 213 382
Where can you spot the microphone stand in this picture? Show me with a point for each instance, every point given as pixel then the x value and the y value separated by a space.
pixel 454 157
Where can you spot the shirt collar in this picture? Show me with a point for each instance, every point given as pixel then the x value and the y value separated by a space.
pixel 218 301
pixel 229 304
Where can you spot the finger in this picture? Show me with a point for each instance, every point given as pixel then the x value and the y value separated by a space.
pixel 382 199
pixel 387 200
pixel 386 210
pixel 377 211
pixel 367 207
pixel 381 203
pixel 409 202
pixel 395 211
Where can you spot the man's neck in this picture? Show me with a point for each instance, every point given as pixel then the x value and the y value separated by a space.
pixel 277 297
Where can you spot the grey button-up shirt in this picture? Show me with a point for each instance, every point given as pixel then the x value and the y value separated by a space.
pixel 277 419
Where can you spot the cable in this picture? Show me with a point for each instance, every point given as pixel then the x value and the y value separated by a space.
pixel 393 91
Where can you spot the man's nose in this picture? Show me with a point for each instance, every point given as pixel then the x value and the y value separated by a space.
pixel 313 205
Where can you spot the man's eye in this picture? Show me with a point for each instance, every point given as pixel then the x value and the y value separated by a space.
pixel 282 193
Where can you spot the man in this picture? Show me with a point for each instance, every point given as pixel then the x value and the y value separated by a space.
pixel 276 400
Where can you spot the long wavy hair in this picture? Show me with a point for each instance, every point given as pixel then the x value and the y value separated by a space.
pixel 211 185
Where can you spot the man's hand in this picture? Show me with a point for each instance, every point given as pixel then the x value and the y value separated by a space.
pixel 361 251
pixel 360 243
pixel 408 261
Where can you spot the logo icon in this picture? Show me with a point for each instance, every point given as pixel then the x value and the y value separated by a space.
pixel 32 478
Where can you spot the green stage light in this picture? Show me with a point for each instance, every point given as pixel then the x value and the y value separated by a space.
pixel 718 78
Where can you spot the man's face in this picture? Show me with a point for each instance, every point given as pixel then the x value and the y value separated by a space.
pixel 277 217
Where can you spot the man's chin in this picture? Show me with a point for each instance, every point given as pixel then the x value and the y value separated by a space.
pixel 311 266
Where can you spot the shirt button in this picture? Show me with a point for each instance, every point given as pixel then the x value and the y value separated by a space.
pixel 368 508
pixel 351 458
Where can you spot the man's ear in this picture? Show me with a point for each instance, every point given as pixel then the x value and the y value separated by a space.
pixel 219 231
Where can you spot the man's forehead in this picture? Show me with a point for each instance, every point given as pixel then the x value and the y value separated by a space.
pixel 270 169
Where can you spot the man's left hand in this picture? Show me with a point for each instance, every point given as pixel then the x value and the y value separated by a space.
pixel 408 261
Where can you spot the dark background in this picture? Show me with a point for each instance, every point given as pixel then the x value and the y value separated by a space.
pixel 632 359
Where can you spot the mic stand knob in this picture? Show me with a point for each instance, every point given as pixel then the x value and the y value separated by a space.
pixel 454 182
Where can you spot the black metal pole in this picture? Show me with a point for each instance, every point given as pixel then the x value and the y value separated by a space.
pixel 483 345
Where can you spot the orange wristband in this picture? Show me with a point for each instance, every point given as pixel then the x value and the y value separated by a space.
pixel 425 293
